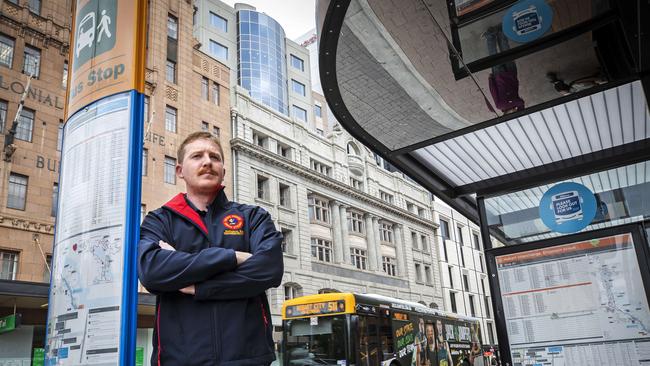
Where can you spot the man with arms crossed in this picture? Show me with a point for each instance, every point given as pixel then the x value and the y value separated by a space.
pixel 209 261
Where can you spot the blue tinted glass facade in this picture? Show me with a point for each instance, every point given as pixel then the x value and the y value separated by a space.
pixel 262 62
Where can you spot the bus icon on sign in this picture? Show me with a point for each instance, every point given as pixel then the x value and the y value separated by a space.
pixel 567 206
pixel 86 32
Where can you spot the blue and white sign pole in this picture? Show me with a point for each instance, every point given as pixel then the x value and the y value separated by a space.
pixel 92 313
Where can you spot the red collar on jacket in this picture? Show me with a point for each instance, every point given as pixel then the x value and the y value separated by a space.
pixel 179 205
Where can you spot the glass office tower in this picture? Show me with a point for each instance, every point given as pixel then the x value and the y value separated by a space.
pixel 262 63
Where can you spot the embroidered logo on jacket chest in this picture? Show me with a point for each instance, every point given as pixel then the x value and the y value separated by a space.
pixel 233 224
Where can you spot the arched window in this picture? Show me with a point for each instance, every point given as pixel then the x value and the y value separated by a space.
pixel 352 149
pixel 422 303
pixel 292 290
pixel 433 305
pixel 328 291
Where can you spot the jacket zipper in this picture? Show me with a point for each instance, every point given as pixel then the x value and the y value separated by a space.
pixel 266 320
pixel 215 335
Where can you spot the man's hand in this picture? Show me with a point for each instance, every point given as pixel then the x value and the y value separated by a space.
pixel 242 257
pixel 165 246
pixel 189 290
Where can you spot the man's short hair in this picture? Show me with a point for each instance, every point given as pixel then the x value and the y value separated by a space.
pixel 199 135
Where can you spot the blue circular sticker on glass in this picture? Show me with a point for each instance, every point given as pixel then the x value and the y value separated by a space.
pixel 527 20
pixel 567 207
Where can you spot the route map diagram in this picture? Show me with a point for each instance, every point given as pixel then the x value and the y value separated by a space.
pixel 576 304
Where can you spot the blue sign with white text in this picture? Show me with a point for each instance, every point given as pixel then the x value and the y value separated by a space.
pixel 527 20
pixel 567 207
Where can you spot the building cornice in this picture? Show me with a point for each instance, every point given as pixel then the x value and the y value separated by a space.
pixel 24 224
pixel 267 156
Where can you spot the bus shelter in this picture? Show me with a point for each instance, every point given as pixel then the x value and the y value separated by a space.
pixel 530 118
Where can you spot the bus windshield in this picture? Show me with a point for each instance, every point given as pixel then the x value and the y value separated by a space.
pixel 317 341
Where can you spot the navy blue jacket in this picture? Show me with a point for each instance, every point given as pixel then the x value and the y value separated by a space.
pixel 227 321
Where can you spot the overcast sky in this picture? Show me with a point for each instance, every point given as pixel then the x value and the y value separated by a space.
pixel 295 16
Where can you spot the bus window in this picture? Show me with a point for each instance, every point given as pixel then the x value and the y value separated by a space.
pixel 322 343
pixel 386 337
pixel 369 352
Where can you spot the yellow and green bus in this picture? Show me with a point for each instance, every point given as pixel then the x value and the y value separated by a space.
pixel 362 330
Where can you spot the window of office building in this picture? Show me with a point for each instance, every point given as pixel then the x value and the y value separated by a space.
pixel 444 229
pixel 143 212
pixel 283 150
pixel 287 240
pixel 8 265
pixel 321 249
pixel 17 191
pixel 172 27
pixel 459 234
pixel 386 197
pixel 389 266
pixel 451 276
pixel 452 302
pixel 299 113
pixel 216 94
pixel 298 88
pixel 205 87
pixel 475 238
pixel 320 167
pixel 297 63
pixel 358 258
pixel 318 111
pixel 6 50
pixel 170 170
pixel 170 71
pixel 219 51
pixel 3 114
pixel 263 59
pixel 146 109
pixel 356 183
pixel 262 187
pixel 386 233
pixel 32 61
pixel 145 161
pixel 219 22
pixel 64 77
pixel 171 114
pixel 260 140
pixel 472 310
pixel 205 126
pixel 355 222
pixel 47 269
pixel 319 210
pixel 444 250
pixel 465 282
pixel 216 131
pixel 418 272
pixel 414 240
pixel 25 125
pixel 490 333
pixel 425 242
pixel 292 291
pixel 427 275
pixel 59 136
pixel 55 199
pixel 285 195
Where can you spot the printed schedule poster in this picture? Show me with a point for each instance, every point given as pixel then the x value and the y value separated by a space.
pixel 86 291
pixel 578 304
